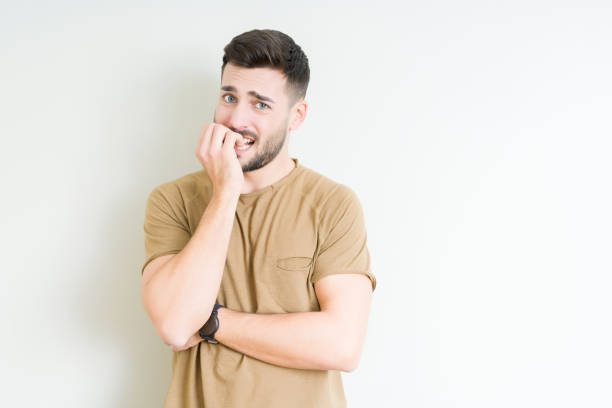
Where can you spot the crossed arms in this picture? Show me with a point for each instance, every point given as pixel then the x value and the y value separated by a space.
pixel 331 339
pixel 173 288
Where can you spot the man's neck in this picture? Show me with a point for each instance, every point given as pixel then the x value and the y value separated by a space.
pixel 267 175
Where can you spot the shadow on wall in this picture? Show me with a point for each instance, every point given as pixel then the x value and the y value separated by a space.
pixel 110 307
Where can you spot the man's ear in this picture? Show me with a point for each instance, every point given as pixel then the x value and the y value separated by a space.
pixel 298 114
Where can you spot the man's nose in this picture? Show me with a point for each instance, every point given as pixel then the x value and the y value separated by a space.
pixel 239 117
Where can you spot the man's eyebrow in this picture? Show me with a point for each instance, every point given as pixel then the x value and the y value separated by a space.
pixel 231 88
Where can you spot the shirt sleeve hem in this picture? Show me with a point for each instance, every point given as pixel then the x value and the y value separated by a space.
pixel 157 255
pixel 369 274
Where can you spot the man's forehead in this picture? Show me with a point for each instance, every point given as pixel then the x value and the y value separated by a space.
pixel 261 80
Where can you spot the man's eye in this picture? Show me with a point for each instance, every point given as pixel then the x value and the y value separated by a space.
pixel 227 96
pixel 261 103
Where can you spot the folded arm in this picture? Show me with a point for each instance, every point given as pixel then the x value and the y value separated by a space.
pixel 330 339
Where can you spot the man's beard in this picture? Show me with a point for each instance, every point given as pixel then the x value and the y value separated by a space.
pixel 272 146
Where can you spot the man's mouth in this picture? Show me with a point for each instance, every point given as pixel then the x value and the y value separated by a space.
pixel 246 146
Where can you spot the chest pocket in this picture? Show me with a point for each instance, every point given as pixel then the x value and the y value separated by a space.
pixel 287 280
pixel 294 263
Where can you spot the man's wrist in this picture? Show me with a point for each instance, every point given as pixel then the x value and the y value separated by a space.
pixel 226 197
pixel 222 315
pixel 211 326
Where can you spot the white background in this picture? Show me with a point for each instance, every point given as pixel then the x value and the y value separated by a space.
pixel 476 134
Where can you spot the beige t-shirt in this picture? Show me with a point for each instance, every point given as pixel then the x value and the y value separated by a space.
pixel 285 237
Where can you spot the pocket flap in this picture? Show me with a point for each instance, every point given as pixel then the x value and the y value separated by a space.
pixel 294 263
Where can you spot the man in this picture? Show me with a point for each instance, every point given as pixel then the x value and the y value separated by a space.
pixel 257 272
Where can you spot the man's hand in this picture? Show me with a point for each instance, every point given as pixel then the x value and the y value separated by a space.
pixel 193 340
pixel 216 153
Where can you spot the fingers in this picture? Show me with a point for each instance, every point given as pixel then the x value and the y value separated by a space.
pixel 214 138
pixel 204 140
pixel 229 143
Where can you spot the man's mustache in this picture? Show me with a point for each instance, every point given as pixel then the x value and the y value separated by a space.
pixel 244 133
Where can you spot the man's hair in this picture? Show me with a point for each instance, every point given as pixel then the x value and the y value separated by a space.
pixel 274 49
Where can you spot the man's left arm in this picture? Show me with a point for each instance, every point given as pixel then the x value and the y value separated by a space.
pixel 330 339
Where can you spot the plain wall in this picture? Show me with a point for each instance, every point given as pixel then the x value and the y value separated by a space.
pixel 476 135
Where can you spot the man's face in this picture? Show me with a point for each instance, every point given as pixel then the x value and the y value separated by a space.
pixel 254 103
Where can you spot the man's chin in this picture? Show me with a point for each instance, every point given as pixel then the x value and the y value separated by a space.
pixel 246 165
pixel 250 166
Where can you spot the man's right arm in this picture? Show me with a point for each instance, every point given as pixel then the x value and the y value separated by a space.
pixel 179 294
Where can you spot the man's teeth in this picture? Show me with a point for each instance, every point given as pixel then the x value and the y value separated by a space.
pixel 247 144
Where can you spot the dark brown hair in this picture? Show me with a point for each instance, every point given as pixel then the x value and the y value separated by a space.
pixel 271 48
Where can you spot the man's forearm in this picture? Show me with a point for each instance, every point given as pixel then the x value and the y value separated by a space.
pixel 306 340
pixel 181 295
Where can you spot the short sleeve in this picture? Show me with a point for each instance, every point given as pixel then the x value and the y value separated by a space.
pixel 166 230
pixel 343 238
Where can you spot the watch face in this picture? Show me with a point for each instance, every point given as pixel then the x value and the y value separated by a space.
pixel 210 327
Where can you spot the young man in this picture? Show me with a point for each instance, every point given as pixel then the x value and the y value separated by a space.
pixel 257 272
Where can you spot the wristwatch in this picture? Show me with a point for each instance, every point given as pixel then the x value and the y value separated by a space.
pixel 207 332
